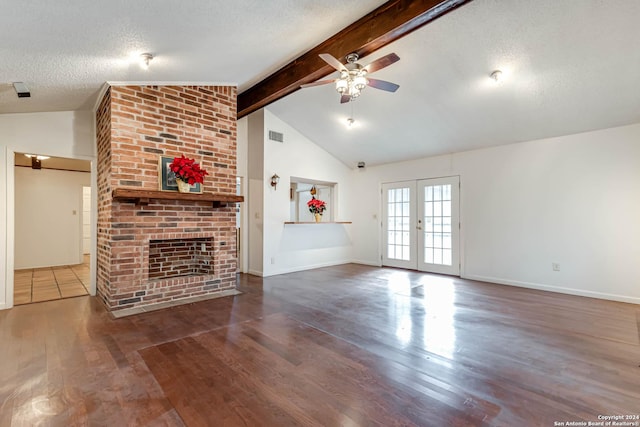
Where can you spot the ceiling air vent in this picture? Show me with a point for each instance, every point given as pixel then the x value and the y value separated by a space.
pixel 276 136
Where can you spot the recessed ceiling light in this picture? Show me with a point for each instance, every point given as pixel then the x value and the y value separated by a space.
pixel 496 76
pixel 145 59
pixel 351 122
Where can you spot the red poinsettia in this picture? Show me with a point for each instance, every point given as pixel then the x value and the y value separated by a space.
pixel 316 206
pixel 187 170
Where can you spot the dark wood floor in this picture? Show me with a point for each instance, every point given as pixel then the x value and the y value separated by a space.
pixel 341 346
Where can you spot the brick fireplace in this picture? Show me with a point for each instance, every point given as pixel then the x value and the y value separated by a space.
pixel 156 249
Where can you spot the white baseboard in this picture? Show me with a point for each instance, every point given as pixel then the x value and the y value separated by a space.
pixel 372 264
pixel 559 289
pixel 306 267
pixel 255 273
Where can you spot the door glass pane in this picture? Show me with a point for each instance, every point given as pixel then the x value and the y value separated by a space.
pixel 437 209
pixel 446 240
pixel 446 257
pixel 428 224
pixel 437 240
pixel 437 222
pixel 446 192
pixel 437 256
pixel 398 241
pixel 405 238
pixel 428 255
pixel 428 209
pixel 428 240
pixel 437 192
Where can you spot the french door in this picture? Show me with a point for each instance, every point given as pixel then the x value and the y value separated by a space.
pixel 421 225
pixel 399 224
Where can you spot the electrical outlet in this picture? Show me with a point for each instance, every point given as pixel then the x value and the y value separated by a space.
pixel 555 266
pixel 273 260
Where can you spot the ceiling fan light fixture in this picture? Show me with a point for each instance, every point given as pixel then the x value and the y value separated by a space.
pixel 360 82
pixel 342 85
pixel 353 76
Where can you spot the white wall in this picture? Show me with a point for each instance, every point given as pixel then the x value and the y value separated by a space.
pixel 61 134
pixel 6 296
pixel 48 217
pixel 86 219
pixel 289 248
pixel 572 200
pixel 242 166
pixel 255 193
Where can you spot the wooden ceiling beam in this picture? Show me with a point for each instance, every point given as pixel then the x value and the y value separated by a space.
pixel 387 23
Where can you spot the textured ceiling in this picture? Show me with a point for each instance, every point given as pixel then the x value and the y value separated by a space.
pixel 570 66
pixel 65 50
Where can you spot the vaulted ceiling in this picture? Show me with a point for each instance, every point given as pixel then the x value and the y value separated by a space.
pixel 569 66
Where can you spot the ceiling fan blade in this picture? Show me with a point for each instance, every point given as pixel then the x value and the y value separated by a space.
pixel 318 83
pixel 380 63
pixel 344 99
pixel 383 85
pixel 329 59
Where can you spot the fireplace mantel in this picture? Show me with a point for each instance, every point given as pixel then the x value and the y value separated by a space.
pixel 142 197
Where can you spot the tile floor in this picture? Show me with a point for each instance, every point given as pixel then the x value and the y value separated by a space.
pixel 50 283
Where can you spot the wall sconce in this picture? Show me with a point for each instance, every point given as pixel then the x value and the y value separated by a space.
pixel 275 179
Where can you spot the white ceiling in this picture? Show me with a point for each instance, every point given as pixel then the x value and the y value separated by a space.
pixel 570 66
pixel 65 50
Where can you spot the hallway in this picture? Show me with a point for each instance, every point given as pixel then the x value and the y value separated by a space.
pixel 51 283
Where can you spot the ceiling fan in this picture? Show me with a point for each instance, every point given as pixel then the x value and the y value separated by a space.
pixel 353 76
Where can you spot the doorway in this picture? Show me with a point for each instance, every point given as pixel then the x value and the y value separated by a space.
pixel 52 246
pixel 421 225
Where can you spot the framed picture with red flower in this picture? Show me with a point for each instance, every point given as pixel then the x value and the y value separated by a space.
pixel 167 178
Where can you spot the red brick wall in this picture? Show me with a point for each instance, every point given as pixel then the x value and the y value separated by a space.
pixel 179 257
pixel 103 140
pixel 141 123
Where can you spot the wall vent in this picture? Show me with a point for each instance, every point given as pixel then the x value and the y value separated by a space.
pixel 276 136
